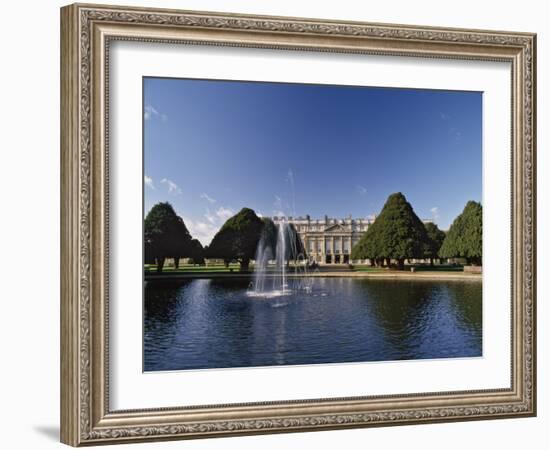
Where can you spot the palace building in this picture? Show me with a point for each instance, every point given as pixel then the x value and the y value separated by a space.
pixel 328 240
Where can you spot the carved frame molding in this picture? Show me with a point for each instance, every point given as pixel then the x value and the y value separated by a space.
pixel 86 32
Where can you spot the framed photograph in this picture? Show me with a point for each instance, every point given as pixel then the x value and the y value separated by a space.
pixel 274 224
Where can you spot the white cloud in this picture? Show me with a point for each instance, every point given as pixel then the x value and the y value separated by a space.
pixel 148 182
pixel 208 198
pixel 224 213
pixel 362 190
pixel 435 212
pixel 173 188
pixel 444 116
pixel 210 217
pixel 202 231
pixel 205 230
pixel 150 112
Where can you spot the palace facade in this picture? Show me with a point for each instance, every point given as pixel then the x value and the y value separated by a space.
pixel 329 240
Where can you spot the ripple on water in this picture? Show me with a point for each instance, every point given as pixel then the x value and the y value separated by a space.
pixel 199 324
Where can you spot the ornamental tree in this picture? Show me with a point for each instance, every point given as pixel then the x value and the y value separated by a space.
pixel 368 246
pixel 237 239
pixel 269 234
pixel 294 247
pixel 165 235
pixel 464 239
pixel 197 252
pixel 435 238
pixel 397 233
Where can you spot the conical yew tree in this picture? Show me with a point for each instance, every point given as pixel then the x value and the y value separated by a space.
pixel 397 233
pixel 464 239
pixel 237 239
pixel 435 240
pixel 165 235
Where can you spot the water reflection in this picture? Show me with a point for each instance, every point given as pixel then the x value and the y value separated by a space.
pixel 213 323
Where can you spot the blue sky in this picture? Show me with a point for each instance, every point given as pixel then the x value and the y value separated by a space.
pixel 213 147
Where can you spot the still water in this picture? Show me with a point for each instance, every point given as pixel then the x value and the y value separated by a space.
pixel 214 323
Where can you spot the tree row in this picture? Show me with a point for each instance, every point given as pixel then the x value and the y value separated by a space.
pixel 397 235
pixel 166 236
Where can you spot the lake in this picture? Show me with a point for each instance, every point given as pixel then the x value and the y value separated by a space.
pixel 215 323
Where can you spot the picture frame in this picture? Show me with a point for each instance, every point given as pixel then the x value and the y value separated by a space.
pixel 87 32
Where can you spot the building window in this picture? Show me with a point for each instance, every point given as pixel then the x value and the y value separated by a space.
pixel 346 245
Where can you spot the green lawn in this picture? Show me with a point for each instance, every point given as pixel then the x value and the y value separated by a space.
pixel 186 268
pixel 436 268
pixel 220 268
pixel 211 268
pixel 367 268
pixel 417 267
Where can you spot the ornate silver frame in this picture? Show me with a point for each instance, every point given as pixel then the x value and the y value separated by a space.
pixel 86 31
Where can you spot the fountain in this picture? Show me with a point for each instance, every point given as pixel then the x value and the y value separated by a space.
pixel 278 245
